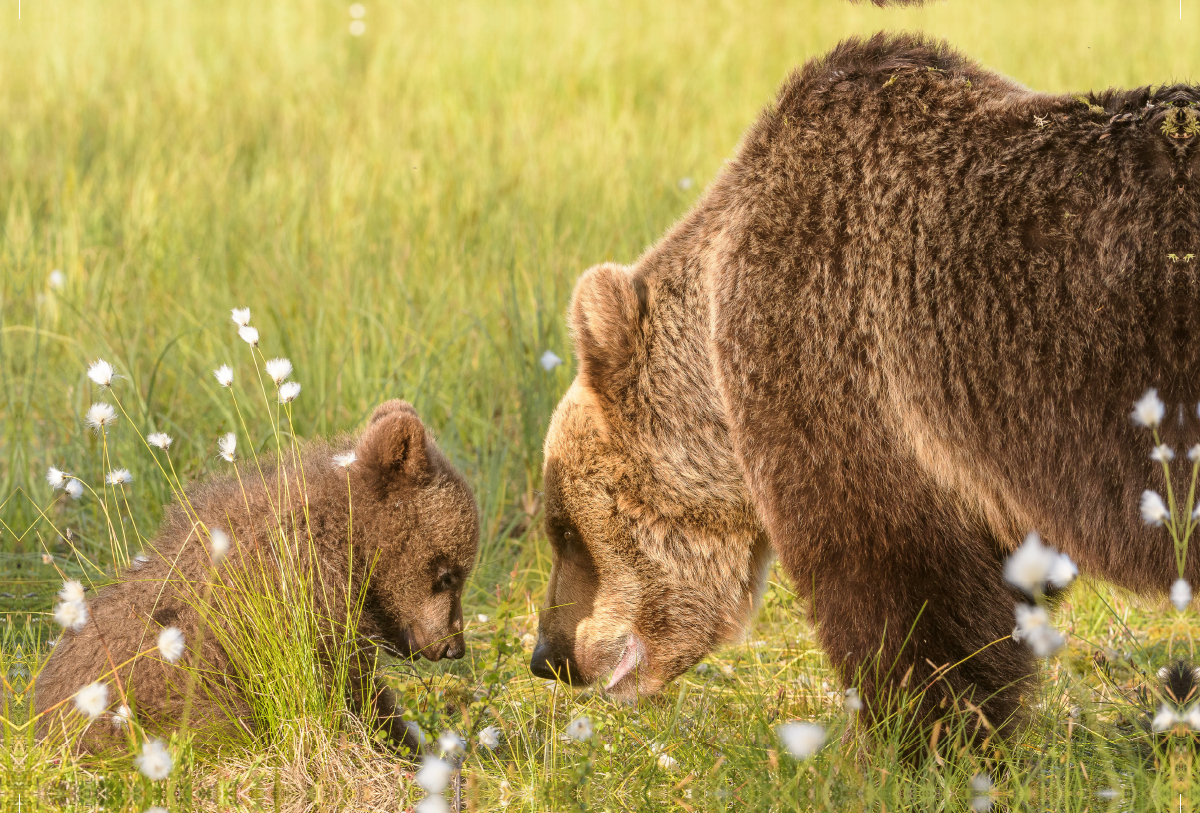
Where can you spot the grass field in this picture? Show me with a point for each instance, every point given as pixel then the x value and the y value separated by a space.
pixel 405 213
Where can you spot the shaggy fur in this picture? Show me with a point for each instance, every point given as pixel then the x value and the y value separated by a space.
pixel 905 326
pixel 414 517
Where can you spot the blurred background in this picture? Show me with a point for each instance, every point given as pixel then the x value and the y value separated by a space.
pixel 403 194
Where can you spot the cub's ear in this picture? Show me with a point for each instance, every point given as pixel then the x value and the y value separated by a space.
pixel 389 407
pixel 607 312
pixel 394 443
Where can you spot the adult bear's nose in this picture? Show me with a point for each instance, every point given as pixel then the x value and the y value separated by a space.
pixel 549 663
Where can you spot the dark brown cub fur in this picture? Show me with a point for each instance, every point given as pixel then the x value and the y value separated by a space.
pixel 415 528
pixel 902 328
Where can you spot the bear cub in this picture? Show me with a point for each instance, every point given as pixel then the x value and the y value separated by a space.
pixel 406 519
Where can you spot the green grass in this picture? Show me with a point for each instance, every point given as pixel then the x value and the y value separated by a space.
pixel 406 213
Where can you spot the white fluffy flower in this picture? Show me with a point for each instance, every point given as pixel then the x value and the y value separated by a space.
pixel 1162 453
pixel 451 743
pixel 667 762
pixel 802 740
pixel 1033 627
pixel 434 774
pixel 160 439
pixel 279 370
pixel 580 729
pixel 1194 452
pixel 220 545
pixel 170 644
pixel 1192 718
pixel 92 699
pixel 1181 594
pixel 1063 571
pixel 981 783
pixel 288 392
pixel 344 461
pixel 1154 510
pixel 549 360
pixel 431 803
pixel 227 445
pixel 249 335
pixel 72 615
pixel 241 316
pixel 490 738
pixel 358 11
pixel 1149 410
pixel 853 702
pixel 57 279
pixel 1165 719
pixel 119 477
pixel 1030 565
pixel 71 590
pixel 56 477
pixel 120 717
pixel 101 373
pixel 154 761
pixel 224 375
pixel 74 489
pixel 101 416
pixel 357 28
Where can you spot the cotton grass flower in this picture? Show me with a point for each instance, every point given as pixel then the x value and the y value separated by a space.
pixel 431 803
pixel 1030 565
pixel 58 279
pixel 56 477
pixel 1154 510
pixel 120 717
pixel 1181 594
pixel 1165 719
pixel 580 729
pixel 853 702
pixel 241 316
pixel 1149 410
pixel 74 489
pixel 1033 627
pixel 119 477
pixel 1063 571
pixel 249 335
pixel 288 392
pixel 279 370
pixel 154 761
pixel 224 375
pixel 101 373
pixel 170 644
pixel 227 445
pixel 549 360
pixel 802 740
pixel 71 615
pixel 100 416
pixel 92 699
pixel 219 545
pixel 667 762
pixel 434 774
pixel 489 738
pixel 71 590
pixel 451 743
pixel 160 439
pixel 357 28
pixel 1162 453
pixel 344 461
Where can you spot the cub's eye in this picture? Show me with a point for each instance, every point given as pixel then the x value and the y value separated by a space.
pixel 444 582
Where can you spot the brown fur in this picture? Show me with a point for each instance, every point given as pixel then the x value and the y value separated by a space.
pixel 903 327
pixel 414 517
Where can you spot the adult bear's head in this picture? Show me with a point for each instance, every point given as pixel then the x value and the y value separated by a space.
pixel 657 554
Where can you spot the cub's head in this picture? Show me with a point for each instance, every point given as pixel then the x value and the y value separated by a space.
pixel 415 516
pixel 657 554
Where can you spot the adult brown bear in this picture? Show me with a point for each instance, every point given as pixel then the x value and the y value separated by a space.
pixel 902 328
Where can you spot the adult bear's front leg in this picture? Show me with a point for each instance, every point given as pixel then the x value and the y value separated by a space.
pixel 919 613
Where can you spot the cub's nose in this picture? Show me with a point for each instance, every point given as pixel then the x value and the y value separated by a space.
pixel 457 647
pixel 549 663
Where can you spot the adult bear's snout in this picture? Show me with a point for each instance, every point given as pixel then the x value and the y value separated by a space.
pixel 550 663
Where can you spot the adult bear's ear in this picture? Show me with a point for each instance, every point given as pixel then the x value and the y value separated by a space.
pixel 394 443
pixel 607 314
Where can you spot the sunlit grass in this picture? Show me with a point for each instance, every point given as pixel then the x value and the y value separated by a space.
pixel 406 212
